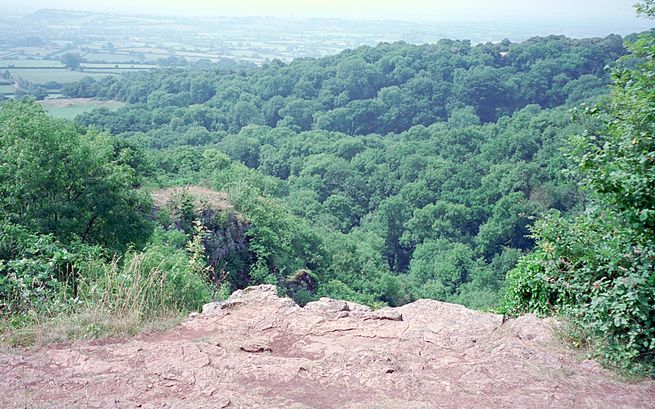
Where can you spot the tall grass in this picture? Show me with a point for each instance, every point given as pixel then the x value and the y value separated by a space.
pixel 134 289
pixel 153 288
pixel 147 284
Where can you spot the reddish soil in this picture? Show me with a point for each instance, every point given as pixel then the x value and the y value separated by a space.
pixel 260 351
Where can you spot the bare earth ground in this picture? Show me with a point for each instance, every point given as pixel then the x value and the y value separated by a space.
pixel 260 351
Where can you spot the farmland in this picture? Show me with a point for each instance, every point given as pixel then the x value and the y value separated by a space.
pixel 29 63
pixel 23 74
pixel 70 107
pixel 34 46
pixel 43 75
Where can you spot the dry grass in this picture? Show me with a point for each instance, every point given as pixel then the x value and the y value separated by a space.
pixel 134 294
pixel 215 200
pixel 123 301
pixel 88 324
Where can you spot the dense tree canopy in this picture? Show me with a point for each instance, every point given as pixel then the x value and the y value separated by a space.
pixel 382 89
pixel 53 179
pixel 381 174
pixel 447 149
pixel 438 156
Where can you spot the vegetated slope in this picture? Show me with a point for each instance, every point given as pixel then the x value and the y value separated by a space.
pixel 257 350
pixel 398 171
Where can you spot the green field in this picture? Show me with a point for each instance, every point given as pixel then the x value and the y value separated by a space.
pixel 30 63
pixel 42 71
pixel 99 66
pixel 109 71
pixel 116 58
pixel 36 52
pixel 7 89
pixel 147 50
pixel 40 76
pixel 70 108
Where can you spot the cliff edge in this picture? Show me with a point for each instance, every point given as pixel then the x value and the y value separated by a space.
pixel 257 350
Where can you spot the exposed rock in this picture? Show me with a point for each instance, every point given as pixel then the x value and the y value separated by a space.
pixel 212 307
pixel 254 294
pixel 257 294
pixel 390 314
pixel 357 307
pixel 255 346
pixel 301 280
pixel 257 350
pixel 327 306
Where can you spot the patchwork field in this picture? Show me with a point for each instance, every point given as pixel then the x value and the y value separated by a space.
pixel 43 75
pixel 37 71
pixel 117 58
pixel 30 64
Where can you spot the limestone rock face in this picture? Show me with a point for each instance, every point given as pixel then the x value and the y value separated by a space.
pixel 257 350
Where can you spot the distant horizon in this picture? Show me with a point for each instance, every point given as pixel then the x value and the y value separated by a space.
pixel 460 19
pixel 552 12
pixel 541 27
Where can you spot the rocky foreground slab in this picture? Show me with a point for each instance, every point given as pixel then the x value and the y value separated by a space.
pixel 257 350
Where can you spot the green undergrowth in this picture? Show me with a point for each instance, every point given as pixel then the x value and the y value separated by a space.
pixel 83 295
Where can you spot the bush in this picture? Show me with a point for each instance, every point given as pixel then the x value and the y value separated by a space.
pixel 78 187
pixel 38 274
pixel 589 271
pixel 598 269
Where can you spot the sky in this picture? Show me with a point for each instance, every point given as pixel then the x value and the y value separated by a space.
pixel 532 10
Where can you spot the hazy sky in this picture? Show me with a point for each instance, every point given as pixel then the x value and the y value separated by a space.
pixel 537 10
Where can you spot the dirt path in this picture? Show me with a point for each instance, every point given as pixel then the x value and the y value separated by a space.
pixel 261 351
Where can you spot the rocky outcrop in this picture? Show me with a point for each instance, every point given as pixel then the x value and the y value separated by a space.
pixel 258 350
pixel 223 237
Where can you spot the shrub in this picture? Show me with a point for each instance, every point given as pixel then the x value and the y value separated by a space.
pixel 78 187
pixel 589 271
pixel 598 269
pixel 55 292
pixel 38 274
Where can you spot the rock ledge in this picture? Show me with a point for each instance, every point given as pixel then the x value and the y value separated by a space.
pixel 258 350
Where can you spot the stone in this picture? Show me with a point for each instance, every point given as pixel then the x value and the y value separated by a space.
pixel 329 354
